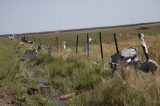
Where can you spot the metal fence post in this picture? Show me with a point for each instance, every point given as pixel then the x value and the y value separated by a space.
pixel 57 43
pixel 115 40
pixel 77 45
pixel 100 38
pixel 88 45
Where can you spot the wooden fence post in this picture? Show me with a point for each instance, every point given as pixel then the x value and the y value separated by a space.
pixel 77 45
pixel 57 43
pixel 115 40
pixel 100 39
pixel 88 45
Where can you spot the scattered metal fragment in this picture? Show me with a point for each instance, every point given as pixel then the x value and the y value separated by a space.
pixel 148 65
pixel 127 55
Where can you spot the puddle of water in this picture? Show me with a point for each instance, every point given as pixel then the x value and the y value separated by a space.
pixel 57 92
pixel 54 92
pixel 41 81
pixel 59 102
pixel 30 53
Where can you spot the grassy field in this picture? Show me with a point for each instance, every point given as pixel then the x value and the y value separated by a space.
pixel 44 79
pixel 122 34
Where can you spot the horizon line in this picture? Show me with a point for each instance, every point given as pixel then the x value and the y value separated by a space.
pixel 80 29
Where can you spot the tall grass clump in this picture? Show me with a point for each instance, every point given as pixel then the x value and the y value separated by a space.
pixel 69 74
pixel 137 89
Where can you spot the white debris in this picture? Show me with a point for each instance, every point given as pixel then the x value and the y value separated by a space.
pixel 90 39
pixel 136 62
pixel 64 44
pixel 94 62
pixel 127 34
pixel 127 54
pixel 69 50
pixel 21 43
pixel 85 48
pixel 143 43
pixel 128 61
pixel 11 37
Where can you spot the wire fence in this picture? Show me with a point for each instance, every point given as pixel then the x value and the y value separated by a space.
pixel 96 44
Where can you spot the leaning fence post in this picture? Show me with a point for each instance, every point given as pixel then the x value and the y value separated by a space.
pixel 100 38
pixel 77 45
pixel 145 52
pixel 115 40
pixel 88 45
pixel 57 43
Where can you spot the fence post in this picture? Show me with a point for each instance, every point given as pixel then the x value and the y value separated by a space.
pixel 77 45
pixel 115 40
pixel 39 42
pixel 57 43
pixel 100 39
pixel 88 45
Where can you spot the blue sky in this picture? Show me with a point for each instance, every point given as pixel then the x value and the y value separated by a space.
pixel 21 16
